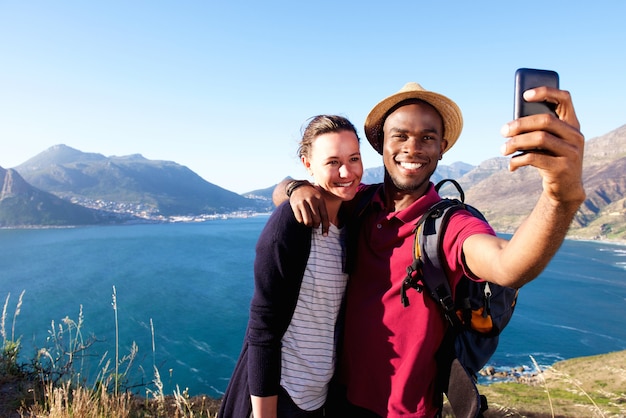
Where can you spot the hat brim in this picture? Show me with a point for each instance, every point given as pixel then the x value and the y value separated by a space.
pixel 449 111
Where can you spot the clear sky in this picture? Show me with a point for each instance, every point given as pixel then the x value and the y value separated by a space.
pixel 225 87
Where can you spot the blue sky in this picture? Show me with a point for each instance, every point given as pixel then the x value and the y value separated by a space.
pixel 225 87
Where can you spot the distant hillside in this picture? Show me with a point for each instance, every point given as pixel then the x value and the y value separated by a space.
pixel 506 198
pixel 24 205
pixel 263 196
pixel 135 186
pixel 376 175
pixel 154 187
pixel 455 170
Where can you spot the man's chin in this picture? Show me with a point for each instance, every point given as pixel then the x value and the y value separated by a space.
pixel 409 186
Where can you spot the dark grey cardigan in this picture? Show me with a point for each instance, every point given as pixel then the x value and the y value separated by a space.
pixel 282 252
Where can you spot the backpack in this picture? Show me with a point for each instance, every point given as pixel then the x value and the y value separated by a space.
pixel 476 316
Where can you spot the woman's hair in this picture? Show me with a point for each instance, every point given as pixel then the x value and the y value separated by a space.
pixel 320 125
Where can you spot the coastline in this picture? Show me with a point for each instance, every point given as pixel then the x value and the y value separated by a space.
pixel 226 227
pixel 240 215
pixel 598 240
pixel 581 386
pixel 150 221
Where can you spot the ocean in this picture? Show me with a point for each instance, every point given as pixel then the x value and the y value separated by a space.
pixel 181 293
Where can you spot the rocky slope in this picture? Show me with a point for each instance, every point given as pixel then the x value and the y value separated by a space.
pixel 506 198
pixel 24 205
pixel 133 185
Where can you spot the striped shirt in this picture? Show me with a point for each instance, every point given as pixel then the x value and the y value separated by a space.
pixel 308 346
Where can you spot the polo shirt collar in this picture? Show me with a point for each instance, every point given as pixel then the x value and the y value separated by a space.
pixel 416 209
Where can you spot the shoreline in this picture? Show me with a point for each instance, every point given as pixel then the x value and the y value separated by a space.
pixel 147 221
pixel 598 240
pixel 523 375
pixel 209 218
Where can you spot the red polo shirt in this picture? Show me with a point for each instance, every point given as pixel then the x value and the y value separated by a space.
pixel 388 359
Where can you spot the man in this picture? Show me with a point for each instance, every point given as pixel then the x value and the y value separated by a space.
pixel 388 362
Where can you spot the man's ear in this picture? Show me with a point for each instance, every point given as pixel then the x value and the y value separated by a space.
pixel 444 145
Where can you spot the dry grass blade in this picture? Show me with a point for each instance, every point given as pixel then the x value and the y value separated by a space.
pixel 544 383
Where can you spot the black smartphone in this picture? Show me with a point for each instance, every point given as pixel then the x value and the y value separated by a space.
pixel 528 78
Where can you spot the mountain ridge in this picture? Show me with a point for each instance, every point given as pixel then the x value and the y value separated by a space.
pixel 152 187
pixel 507 198
pixel 133 187
pixel 24 205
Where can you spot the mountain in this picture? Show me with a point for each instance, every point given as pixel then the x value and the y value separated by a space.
pixel 507 198
pixel 263 196
pixel 48 186
pixel 162 188
pixel 455 170
pixel 24 205
pixel 604 212
pixel 376 175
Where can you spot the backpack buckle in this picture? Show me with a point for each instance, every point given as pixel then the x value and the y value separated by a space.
pixel 447 305
pixel 411 281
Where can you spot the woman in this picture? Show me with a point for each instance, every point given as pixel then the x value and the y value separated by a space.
pixel 288 357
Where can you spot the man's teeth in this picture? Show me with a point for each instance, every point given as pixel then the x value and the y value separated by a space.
pixel 344 184
pixel 411 166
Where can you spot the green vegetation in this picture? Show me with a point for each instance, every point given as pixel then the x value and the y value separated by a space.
pixel 49 210
pixel 50 385
pixel 592 386
pixel 168 187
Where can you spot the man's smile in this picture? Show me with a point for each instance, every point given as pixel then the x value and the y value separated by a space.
pixel 410 166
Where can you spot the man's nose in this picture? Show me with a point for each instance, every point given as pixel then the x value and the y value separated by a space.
pixel 412 145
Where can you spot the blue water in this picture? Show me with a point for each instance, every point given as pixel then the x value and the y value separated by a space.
pixel 193 283
pixel 577 307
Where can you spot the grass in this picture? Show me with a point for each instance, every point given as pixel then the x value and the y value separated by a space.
pixel 593 386
pixel 50 385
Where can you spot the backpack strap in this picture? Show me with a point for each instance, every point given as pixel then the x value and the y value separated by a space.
pixel 427 272
pixel 456 185
pixel 429 240
pixel 427 266
pixel 426 269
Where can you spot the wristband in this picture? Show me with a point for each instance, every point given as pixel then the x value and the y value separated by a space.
pixel 293 185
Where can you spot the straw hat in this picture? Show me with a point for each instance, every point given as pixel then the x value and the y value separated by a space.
pixel 449 111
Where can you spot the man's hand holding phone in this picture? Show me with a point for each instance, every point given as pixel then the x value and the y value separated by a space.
pixel 550 140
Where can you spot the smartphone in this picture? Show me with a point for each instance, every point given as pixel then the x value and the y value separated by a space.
pixel 528 78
